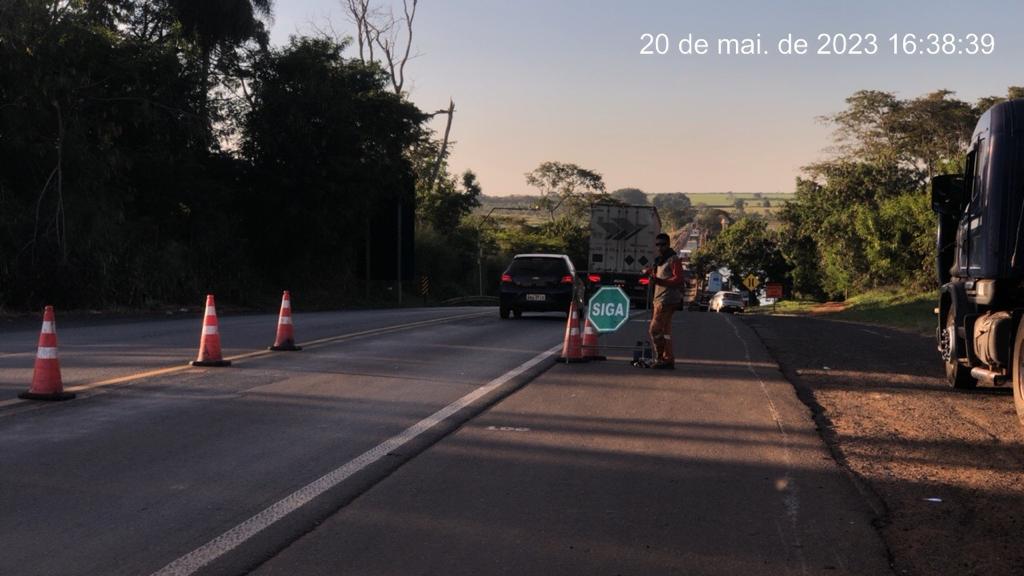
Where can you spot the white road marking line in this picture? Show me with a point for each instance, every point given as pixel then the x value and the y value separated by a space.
pixel 193 561
pixel 791 499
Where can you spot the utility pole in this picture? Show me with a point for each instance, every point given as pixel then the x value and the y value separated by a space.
pixel 399 277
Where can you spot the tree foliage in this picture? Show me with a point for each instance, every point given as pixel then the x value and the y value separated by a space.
pixel 568 188
pixel 157 149
pixel 861 219
pixel 632 196
pixel 674 208
pixel 745 247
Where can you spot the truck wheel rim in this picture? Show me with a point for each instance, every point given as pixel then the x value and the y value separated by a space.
pixel 946 346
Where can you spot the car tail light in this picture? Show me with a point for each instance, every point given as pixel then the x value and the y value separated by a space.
pixel 644 281
pixel 595 278
pixel 567 279
pixel 506 277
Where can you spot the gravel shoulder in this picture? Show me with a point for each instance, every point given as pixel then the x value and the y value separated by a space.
pixel 946 466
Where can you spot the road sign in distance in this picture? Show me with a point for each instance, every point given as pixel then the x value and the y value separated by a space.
pixel 773 290
pixel 751 282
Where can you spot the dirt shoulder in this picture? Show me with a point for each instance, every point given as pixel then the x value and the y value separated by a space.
pixel 948 465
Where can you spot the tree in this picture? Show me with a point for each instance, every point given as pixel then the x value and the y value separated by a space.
pixel 567 187
pixel 935 129
pixel 446 205
pixel 383 37
pixel 633 196
pixel 867 128
pixel 220 26
pixel 674 208
pixel 328 143
pixel 746 247
pixel 711 219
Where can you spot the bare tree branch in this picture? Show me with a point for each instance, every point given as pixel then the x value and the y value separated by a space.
pixel 410 15
pixel 443 152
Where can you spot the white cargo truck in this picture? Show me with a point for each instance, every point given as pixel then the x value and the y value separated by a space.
pixel 621 245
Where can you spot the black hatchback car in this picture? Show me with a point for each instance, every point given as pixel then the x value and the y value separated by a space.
pixel 538 283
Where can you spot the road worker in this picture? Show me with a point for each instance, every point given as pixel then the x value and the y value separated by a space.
pixel 668 279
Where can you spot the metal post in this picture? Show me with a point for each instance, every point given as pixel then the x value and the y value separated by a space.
pixel 399 253
pixel 480 264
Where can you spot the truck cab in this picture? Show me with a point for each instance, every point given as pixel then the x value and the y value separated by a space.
pixel 980 257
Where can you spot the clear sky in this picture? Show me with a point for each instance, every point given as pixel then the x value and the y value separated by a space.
pixel 539 80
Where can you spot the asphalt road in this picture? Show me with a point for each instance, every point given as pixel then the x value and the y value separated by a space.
pixel 131 476
pixel 338 459
pixel 602 468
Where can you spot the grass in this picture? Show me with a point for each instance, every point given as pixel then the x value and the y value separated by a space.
pixel 893 307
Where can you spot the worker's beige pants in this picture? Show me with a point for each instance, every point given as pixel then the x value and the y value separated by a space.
pixel 661 332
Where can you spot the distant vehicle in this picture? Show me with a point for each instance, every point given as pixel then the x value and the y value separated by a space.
pixel 728 302
pixel 621 245
pixel 714 282
pixel 538 283
pixel 980 260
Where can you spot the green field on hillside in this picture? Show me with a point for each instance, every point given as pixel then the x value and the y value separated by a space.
pixel 524 207
pixel 726 199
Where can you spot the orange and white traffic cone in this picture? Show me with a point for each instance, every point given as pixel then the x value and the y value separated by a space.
pixel 46 381
pixel 572 347
pixel 285 334
pixel 591 346
pixel 209 344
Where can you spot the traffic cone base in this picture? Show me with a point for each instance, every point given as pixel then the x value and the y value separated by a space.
pixel 53 397
pixel 211 363
pixel 286 347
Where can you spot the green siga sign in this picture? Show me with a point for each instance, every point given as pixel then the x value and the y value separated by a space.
pixel 609 309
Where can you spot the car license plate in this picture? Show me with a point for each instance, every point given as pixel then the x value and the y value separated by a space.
pixel 536 297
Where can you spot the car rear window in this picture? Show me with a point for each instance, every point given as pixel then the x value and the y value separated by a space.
pixel 539 266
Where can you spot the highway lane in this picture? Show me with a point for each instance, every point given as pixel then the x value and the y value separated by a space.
pixel 129 477
pixel 101 350
pixel 712 469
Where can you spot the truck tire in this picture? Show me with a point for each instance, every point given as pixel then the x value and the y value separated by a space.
pixel 958 375
pixel 1018 372
pixel 503 312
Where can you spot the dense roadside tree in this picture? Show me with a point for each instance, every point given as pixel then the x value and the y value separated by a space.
pixel 745 247
pixel 861 219
pixel 109 195
pixel 327 141
pixel 113 191
pixel 216 29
